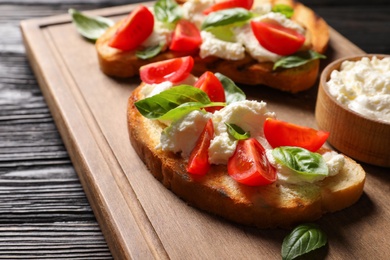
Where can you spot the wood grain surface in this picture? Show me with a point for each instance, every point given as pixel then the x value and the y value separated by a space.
pixel 44 211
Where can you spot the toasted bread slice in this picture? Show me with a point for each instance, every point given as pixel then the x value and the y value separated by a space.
pixel 270 206
pixel 117 63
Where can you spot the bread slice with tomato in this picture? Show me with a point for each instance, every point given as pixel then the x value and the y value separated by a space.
pixel 248 189
pixel 292 60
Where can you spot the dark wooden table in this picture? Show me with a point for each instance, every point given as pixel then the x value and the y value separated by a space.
pixel 44 213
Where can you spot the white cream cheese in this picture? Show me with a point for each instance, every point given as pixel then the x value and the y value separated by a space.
pixel 363 86
pixel 193 10
pixel 249 115
pixel 212 46
pixel 181 135
pixel 261 8
pixel 333 160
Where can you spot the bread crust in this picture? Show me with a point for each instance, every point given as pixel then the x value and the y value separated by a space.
pixel 270 206
pixel 117 63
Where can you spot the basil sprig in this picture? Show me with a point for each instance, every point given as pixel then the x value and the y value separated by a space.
pixel 174 103
pixel 167 11
pixel 298 59
pixel 237 132
pixel 287 10
pixel 91 27
pixel 309 165
pixel 301 240
pixel 232 92
pixel 225 17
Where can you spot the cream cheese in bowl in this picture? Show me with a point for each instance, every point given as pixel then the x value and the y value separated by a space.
pixel 363 86
pixel 353 104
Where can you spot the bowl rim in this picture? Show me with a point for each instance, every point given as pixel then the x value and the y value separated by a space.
pixel 335 65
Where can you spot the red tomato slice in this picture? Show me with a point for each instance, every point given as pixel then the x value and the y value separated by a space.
pixel 186 37
pixel 249 164
pixel 135 29
pixel 199 158
pixel 174 70
pixel 276 38
pixel 247 4
pixel 210 84
pixel 280 133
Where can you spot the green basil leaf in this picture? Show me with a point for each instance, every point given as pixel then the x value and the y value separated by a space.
pixel 309 165
pixel 287 10
pixel 223 33
pixel 174 102
pixel 225 17
pixel 150 52
pixel 237 132
pixel 182 110
pixel 301 240
pixel 298 59
pixel 91 27
pixel 167 11
pixel 232 92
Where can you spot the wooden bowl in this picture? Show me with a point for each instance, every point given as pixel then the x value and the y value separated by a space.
pixel 355 135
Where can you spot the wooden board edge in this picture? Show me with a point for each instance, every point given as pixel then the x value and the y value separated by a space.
pixel 48 74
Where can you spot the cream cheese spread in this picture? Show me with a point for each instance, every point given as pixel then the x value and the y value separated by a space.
pixel 212 46
pixel 181 136
pixel 249 115
pixel 193 10
pixel 244 37
pixel 333 160
pixel 363 86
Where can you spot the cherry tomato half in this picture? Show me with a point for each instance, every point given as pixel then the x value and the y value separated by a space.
pixel 210 84
pixel 174 70
pixel 277 38
pixel 280 133
pixel 186 37
pixel 135 29
pixel 249 164
pixel 247 4
pixel 198 162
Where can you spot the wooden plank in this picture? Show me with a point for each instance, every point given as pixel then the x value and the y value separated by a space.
pixel 138 216
pixel 79 137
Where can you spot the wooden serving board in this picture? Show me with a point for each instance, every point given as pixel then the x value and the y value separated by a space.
pixel 138 216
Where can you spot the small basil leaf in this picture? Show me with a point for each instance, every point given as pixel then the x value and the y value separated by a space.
pixel 225 17
pixel 157 106
pixel 287 10
pixel 298 59
pixel 309 165
pixel 167 11
pixel 232 92
pixel 150 52
pixel 301 240
pixel 91 27
pixel 237 132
